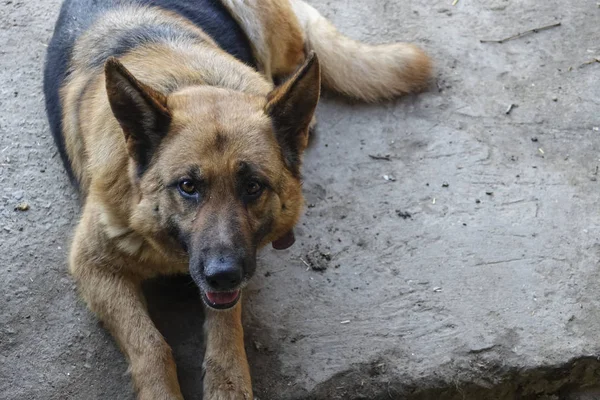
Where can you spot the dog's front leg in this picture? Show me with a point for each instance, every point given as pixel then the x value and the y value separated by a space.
pixel 226 372
pixel 117 299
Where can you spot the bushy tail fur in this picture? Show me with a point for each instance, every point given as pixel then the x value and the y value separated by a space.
pixel 359 70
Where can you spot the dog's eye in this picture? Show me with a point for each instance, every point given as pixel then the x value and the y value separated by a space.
pixel 253 188
pixel 187 188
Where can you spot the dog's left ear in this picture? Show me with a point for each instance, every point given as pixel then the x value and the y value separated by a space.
pixel 291 107
pixel 141 111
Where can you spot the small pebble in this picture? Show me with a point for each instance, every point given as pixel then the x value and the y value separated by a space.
pixel 22 207
pixel 445 184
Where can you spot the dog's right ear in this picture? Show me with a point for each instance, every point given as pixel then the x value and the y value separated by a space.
pixel 141 111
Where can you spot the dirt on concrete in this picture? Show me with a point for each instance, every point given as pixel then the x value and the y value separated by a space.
pixel 473 275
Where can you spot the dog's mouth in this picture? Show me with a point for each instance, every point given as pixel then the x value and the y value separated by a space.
pixel 221 300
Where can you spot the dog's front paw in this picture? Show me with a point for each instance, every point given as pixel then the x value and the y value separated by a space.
pixel 226 383
pixel 225 389
pixel 227 395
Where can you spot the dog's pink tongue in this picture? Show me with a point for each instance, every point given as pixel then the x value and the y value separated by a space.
pixel 222 297
pixel 285 241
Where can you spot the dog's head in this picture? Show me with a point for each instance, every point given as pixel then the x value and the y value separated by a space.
pixel 217 171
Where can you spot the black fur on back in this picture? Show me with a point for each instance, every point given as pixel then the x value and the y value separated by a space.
pixel 76 16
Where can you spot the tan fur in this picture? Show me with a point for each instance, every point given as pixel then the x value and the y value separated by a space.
pixel 359 70
pixel 275 34
pixel 230 369
pixel 222 114
pixel 280 29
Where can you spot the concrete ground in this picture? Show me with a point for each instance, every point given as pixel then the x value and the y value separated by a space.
pixel 473 275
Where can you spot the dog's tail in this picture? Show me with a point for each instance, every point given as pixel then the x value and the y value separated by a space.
pixel 359 70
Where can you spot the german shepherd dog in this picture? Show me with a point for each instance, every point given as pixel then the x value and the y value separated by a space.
pixel 183 124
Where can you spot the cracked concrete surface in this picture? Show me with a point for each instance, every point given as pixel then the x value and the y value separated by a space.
pixel 488 290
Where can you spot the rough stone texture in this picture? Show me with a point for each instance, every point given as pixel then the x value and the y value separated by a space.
pixel 487 291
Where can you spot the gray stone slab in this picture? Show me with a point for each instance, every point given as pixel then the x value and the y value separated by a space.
pixel 489 290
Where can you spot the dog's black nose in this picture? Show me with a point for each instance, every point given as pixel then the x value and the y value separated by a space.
pixel 223 272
